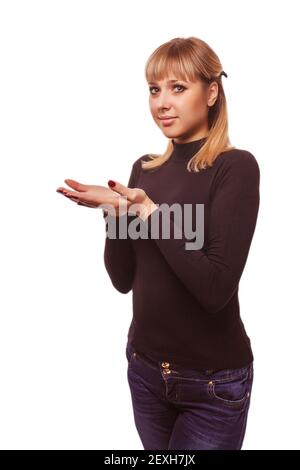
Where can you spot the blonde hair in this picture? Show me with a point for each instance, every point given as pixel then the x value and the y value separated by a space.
pixel 193 59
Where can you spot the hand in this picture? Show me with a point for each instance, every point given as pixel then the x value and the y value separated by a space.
pixel 116 201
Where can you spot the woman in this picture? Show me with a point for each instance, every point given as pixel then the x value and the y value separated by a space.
pixel 190 362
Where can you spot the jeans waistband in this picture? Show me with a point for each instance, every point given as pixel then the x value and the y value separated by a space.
pixel 175 365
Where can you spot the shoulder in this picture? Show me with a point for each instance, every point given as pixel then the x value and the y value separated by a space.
pixel 238 161
pixel 138 161
pixel 237 172
pixel 137 164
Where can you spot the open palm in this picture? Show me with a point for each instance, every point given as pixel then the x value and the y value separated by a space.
pixel 115 201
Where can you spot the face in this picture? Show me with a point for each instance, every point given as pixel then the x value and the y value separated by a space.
pixel 187 103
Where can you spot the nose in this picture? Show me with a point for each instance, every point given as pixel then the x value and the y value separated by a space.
pixel 163 101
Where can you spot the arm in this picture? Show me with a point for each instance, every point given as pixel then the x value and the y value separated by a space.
pixel 213 273
pixel 119 257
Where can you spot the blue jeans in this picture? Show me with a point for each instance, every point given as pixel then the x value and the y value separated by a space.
pixel 179 408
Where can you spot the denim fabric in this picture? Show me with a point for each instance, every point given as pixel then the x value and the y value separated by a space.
pixel 179 408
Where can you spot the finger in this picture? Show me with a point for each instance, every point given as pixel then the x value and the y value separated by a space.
pixel 79 200
pixel 86 205
pixel 73 199
pixel 64 193
pixel 80 197
pixel 123 190
pixel 76 185
pixel 72 193
pixel 76 199
pixel 61 190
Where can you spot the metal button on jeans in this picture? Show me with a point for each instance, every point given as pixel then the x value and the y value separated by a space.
pixel 165 364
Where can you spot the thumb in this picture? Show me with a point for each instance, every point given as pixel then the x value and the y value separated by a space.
pixel 122 190
pixel 76 185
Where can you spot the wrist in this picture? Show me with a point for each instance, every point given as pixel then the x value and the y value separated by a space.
pixel 146 209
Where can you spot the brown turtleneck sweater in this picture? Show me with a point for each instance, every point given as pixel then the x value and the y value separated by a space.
pixel 185 302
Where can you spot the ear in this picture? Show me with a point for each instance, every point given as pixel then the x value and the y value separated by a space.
pixel 212 93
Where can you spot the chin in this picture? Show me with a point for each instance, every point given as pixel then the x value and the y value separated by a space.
pixel 170 132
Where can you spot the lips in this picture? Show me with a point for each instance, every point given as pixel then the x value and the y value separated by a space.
pixel 167 117
pixel 168 121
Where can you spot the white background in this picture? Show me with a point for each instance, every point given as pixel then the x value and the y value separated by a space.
pixel 74 104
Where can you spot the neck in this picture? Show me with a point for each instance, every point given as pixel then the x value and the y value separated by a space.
pixel 190 139
pixel 185 151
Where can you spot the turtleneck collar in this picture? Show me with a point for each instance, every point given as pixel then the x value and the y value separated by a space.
pixel 184 152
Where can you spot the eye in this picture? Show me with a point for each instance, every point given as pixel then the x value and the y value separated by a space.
pixel 176 85
pixel 180 86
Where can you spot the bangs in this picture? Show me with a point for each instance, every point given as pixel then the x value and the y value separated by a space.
pixel 170 64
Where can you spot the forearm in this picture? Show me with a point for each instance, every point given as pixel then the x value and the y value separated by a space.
pixel 119 258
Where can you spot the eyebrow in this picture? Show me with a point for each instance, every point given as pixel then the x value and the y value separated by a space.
pixel 169 81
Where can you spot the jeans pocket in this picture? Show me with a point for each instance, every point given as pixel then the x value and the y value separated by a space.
pixel 130 353
pixel 233 390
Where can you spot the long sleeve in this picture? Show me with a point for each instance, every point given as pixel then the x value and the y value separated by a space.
pixel 212 273
pixel 119 257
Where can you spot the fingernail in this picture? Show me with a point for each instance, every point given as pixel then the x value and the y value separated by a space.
pixel 111 183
